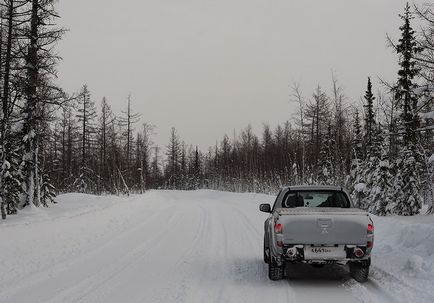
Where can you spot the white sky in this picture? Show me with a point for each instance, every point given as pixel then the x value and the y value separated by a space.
pixel 209 67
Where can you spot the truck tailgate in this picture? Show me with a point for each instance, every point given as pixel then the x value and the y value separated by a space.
pixel 324 226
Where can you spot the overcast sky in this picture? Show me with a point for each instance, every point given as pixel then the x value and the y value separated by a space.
pixel 209 67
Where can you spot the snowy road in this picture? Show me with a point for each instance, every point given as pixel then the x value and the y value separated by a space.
pixel 199 246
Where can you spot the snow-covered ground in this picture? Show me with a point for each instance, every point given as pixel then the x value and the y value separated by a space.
pixel 202 246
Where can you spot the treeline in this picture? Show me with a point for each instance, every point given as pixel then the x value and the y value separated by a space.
pixel 93 150
pixel 382 151
pixel 51 142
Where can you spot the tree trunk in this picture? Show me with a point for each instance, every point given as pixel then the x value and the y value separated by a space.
pixel 7 71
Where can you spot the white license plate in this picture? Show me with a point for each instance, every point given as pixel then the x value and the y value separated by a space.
pixel 324 253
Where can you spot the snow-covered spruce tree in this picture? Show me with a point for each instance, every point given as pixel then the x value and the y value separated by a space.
pixel 40 62
pixel 410 201
pixel 381 197
pixel 364 171
pixel 410 165
pixel 370 166
pixel 405 95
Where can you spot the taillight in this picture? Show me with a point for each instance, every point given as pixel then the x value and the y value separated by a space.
pixel 278 228
pixel 370 228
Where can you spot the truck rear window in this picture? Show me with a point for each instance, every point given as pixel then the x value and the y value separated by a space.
pixel 315 199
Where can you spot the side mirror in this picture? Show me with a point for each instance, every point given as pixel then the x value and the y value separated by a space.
pixel 266 208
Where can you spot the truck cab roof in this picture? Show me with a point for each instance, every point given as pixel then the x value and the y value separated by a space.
pixel 314 187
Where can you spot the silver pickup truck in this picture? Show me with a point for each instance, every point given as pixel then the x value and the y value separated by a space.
pixel 317 225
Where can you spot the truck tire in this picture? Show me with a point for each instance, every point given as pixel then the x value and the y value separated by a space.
pixel 359 271
pixel 275 272
pixel 266 257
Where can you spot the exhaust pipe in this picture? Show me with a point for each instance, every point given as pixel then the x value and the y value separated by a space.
pixel 291 252
pixel 358 252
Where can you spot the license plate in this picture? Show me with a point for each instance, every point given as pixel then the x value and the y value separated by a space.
pixel 324 253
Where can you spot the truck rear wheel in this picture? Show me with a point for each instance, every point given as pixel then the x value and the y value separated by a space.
pixel 275 272
pixel 266 256
pixel 359 271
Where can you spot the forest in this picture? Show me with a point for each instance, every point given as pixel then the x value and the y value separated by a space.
pixel 379 148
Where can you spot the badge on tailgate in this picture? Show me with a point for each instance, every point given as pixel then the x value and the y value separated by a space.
pixel 324 224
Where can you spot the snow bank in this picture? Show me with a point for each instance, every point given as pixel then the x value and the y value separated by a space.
pixel 403 259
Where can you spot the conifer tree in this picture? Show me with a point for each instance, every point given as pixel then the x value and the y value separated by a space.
pixel 370 166
pixel 369 115
pixel 407 48
pixel 173 153
pixel 196 169
pixel 411 160
pixel 407 185
pixel 381 185
pixel 357 139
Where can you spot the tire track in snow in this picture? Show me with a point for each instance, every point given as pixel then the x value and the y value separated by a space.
pixel 64 268
pixel 178 287
pixel 94 287
pixel 140 257
pixel 237 266
pixel 166 276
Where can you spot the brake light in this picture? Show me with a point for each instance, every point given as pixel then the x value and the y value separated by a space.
pixel 278 228
pixel 370 228
pixel 369 244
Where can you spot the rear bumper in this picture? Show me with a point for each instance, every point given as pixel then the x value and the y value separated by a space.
pixel 295 254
